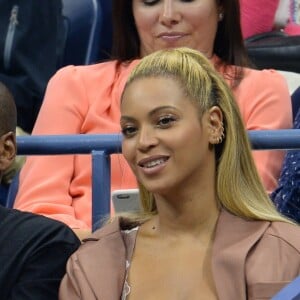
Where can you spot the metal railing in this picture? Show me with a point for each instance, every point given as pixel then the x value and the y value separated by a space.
pixel 101 146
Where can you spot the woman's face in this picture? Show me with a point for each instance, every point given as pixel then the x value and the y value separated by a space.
pixel 165 143
pixel 176 23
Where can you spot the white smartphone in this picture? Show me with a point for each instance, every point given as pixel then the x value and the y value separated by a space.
pixel 126 200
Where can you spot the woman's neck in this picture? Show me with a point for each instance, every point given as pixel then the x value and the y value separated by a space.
pixel 193 214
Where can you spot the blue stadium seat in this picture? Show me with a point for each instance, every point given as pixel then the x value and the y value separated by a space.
pixel 12 191
pixel 289 292
pixel 83 26
pixel 106 29
pixel 3 194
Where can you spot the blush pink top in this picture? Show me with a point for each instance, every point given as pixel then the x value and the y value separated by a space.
pixel 86 99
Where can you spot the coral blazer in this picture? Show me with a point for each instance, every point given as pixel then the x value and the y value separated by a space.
pixel 86 99
pixel 250 260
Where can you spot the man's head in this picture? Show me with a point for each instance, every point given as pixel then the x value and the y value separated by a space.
pixel 8 123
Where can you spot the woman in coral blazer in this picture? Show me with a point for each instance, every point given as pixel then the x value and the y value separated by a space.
pixel 86 99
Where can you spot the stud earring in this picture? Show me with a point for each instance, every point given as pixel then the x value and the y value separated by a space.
pixel 221 16
pixel 222 136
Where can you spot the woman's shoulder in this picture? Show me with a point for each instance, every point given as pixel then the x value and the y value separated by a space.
pixel 109 236
pixel 264 78
pixel 274 260
pixel 286 234
pixel 104 70
pixel 267 85
pixel 264 73
pixel 249 74
pixel 264 234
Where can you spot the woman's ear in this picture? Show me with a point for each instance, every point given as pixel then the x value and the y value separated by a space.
pixel 216 125
pixel 8 150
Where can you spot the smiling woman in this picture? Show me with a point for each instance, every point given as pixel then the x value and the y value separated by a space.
pixel 162 132
pixel 207 228
pixel 157 24
pixel 86 99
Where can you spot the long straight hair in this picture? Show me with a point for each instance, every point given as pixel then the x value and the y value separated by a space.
pixel 239 188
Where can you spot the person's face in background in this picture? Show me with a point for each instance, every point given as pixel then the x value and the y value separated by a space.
pixel 165 143
pixel 175 23
pixel 7 151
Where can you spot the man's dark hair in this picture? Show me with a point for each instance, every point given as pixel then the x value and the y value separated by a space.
pixel 8 111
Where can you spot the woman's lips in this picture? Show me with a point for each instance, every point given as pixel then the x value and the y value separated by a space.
pixel 153 165
pixel 171 36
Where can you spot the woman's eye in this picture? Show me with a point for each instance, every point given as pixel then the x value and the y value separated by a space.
pixel 153 2
pixel 166 121
pixel 150 2
pixel 128 131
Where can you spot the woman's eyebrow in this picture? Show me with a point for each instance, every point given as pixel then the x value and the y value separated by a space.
pixel 126 118
pixel 157 109
pixel 151 113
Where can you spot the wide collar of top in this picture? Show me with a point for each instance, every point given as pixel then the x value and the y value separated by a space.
pixel 234 238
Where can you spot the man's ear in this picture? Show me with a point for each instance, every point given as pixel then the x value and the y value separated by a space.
pixel 8 150
pixel 216 126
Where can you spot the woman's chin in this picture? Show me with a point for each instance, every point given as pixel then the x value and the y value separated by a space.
pixel 157 189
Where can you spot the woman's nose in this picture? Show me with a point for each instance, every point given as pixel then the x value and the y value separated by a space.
pixel 170 14
pixel 147 139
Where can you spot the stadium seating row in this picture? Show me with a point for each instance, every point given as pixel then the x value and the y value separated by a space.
pixel 101 146
pixel 89 36
pixel 88 31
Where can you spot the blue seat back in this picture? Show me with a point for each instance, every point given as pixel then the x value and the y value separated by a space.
pixel 3 194
pixel 289 292
pixel 83 27
pixel 106 29
pixel 12 191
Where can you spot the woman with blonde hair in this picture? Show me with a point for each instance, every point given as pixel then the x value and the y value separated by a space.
pixel 86 99
pixel 207 229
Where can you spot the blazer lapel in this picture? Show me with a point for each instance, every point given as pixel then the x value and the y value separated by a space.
pixel 106 273
pixel 233 239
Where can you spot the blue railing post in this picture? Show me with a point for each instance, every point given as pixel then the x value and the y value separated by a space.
pixel 100 188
